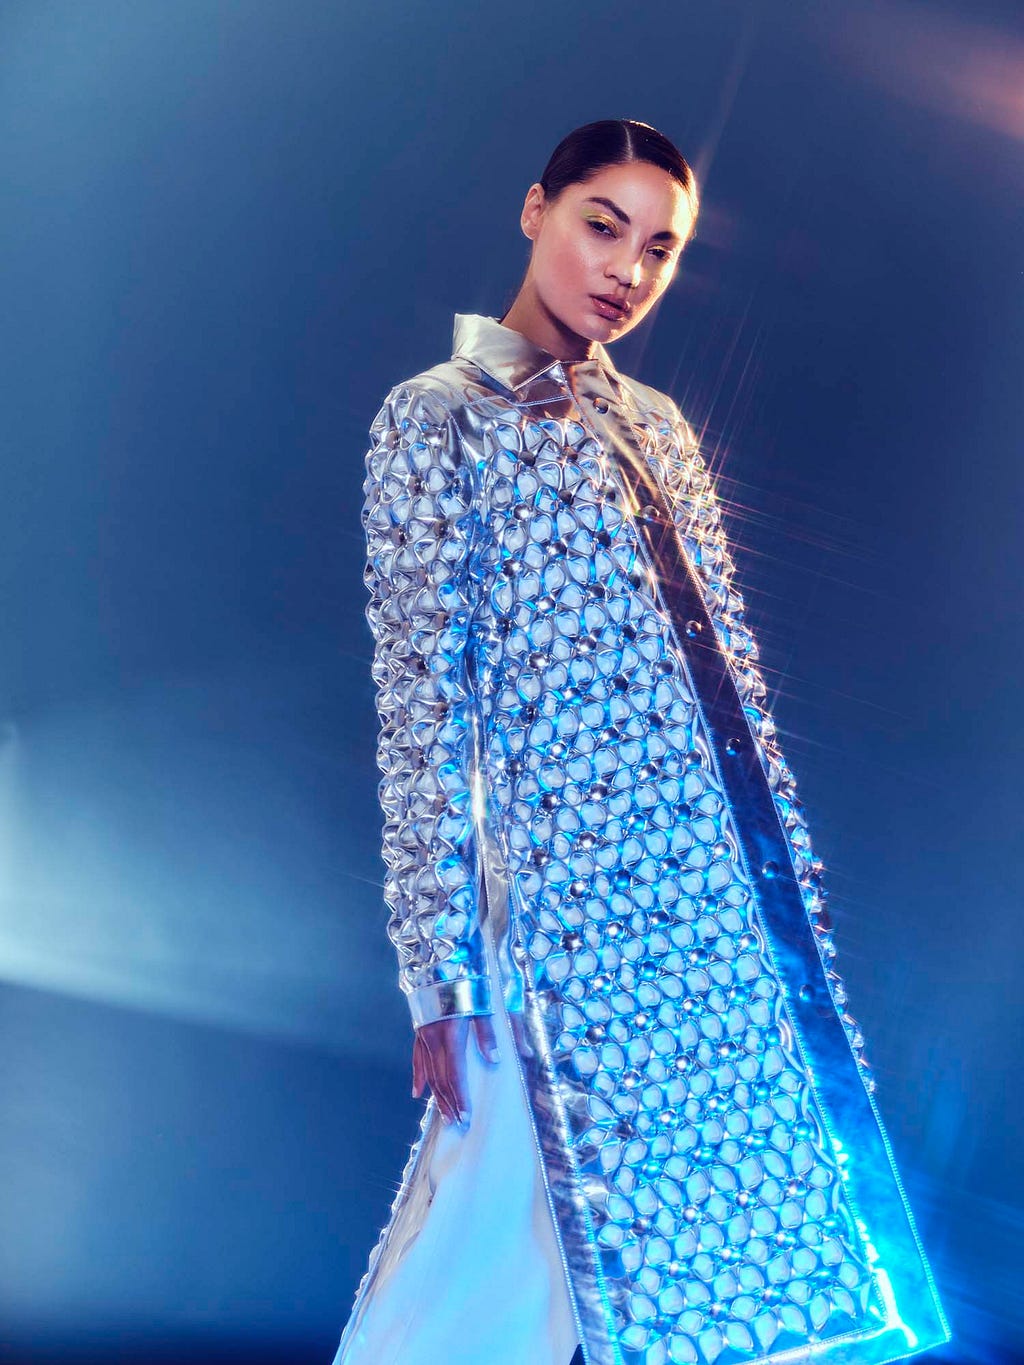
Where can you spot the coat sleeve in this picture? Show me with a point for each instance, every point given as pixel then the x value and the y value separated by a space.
pixel 421 527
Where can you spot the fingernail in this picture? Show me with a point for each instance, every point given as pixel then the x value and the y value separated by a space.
pixel 493 1055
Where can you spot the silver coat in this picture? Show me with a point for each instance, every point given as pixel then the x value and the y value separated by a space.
pixel 719 1178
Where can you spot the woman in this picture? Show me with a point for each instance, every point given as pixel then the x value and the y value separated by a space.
pixel 661 1142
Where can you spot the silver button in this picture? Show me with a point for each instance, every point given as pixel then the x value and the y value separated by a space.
pixel 600 403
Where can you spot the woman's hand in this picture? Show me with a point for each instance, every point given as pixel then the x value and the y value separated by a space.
pixel 439 1060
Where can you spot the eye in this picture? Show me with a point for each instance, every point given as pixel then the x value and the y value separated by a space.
pixel 606 230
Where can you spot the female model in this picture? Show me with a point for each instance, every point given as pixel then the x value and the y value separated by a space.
pixel 651 1131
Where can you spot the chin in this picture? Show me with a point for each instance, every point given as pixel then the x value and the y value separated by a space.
pixel 613 330
pixel 596 328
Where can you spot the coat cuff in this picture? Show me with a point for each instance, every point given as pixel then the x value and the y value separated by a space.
pixel 450 999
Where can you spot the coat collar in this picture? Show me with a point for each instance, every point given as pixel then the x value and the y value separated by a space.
pixel 513 360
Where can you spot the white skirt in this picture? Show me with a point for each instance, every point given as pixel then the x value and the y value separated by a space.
pixel 470 1272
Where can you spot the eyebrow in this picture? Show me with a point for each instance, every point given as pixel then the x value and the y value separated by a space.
pixel 623 217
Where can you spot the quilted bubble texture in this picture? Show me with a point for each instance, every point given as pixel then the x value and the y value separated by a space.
pixel 515 583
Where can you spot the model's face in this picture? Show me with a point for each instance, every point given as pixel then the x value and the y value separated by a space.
pixel 618 234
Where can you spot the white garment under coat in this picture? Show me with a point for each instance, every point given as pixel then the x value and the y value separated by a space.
pixel 483 1280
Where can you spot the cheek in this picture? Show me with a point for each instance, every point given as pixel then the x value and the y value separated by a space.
pixel 570 261
pixel 654 286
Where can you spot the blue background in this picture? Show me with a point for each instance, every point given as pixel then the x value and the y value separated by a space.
pixel 228 229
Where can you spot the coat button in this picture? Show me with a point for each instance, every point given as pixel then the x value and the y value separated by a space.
pixel 600 403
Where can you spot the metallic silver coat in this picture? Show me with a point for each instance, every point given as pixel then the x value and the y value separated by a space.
pixel 555 774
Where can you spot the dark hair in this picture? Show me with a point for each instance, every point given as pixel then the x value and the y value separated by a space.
pixel 614 142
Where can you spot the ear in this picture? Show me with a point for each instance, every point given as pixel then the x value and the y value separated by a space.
pixel 533 210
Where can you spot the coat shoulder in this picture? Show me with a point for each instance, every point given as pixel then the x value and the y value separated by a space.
pixel 429 397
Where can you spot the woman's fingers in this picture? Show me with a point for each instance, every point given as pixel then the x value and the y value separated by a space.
pixel 422 1063
pixel 439 1060
pixel 418 1075
pixel 444 1064
pixel 438 1069
pixel 483 1028
pixel 438 1073
pixel 455 1067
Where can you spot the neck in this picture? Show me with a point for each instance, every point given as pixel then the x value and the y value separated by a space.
pixel 539 325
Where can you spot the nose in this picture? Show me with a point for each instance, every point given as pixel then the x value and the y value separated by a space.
pixel 627 268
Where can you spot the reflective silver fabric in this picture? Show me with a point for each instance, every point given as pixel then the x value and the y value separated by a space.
pixel 550 763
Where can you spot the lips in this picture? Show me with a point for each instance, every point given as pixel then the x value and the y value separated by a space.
pixel 612 307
